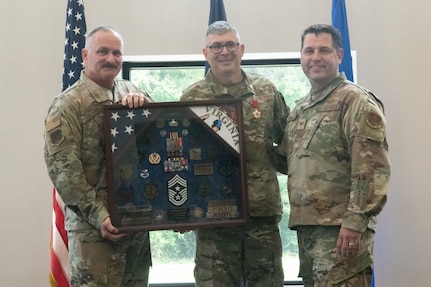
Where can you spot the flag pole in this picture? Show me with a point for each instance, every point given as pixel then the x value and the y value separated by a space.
pixel 75 30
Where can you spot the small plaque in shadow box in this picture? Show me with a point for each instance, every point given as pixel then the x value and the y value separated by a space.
pixel 176 165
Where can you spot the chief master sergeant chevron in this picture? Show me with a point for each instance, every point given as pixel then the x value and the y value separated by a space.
pixel 338 168
pixel 74 155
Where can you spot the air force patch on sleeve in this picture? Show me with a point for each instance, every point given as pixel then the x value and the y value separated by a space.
pixel 52 128
pixel 374 121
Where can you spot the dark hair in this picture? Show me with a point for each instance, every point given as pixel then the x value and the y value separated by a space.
pixel 323 28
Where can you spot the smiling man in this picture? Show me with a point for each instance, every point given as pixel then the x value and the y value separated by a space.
pixel 76 162
pixel 338 168
pixel 249 255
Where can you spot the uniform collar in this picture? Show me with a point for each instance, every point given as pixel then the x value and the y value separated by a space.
pixel 314 98
pixel 235 90
pixel 99 93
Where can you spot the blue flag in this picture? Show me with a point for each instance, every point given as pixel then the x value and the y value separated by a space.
pixel 217 13
pixel 339 21
pixel 74 42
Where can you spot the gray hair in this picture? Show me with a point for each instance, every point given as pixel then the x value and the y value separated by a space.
pixel 221 28
pixel 104 28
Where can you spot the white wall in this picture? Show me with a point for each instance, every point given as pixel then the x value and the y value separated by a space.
pixel 392 43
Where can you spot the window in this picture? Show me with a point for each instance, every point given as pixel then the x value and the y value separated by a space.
pixel 164 78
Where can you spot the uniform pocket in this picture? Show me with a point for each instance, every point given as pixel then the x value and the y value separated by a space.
pixel 347 268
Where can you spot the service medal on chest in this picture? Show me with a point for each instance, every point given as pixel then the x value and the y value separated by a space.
pixel 255 105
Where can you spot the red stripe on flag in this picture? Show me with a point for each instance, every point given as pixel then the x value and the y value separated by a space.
pixel 56 276
pixel 75 30
pixel 59 217
pixel 58 244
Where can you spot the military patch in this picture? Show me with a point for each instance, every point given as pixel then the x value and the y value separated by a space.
pixel 374 120
pixel 150 190
pixel 159 215
pixel 226 168
pixel 227 188
pixel 56 137
pixel 52 123
pixel 177 189
pixel 212 151
pixel 195 138
pixel 195 154
pixel 203 188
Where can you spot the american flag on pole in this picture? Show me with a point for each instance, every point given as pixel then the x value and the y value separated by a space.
pixel 74 42
pixel 75 29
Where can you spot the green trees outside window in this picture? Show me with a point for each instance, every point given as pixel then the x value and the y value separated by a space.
pixel 165 84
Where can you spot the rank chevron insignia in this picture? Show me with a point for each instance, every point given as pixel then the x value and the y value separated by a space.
pixel 177 187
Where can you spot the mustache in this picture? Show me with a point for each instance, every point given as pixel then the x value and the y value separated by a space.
pixel 109 65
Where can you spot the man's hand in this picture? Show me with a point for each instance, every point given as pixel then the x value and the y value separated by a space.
pixel 349 242
pixel 109 231
pixel 135 100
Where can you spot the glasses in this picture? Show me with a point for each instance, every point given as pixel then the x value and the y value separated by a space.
pixel 216 48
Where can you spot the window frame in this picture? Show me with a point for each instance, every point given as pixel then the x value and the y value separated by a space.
pixel 195 60
pixel 166 61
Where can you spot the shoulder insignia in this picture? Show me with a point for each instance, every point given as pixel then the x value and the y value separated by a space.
pixel 374 120
pixel 52 123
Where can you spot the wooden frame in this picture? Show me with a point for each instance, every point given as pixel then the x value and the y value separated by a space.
pixel 176 165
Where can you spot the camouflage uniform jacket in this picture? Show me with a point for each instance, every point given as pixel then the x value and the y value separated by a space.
pixel 260 134
pixel 75 149
pixel 338 164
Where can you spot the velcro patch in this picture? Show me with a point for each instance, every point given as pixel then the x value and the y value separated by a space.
pixel 52 123
pixel 374 120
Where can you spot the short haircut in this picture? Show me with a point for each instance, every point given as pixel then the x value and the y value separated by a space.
pixel 102 28
pixel 220 28
pixel 323 28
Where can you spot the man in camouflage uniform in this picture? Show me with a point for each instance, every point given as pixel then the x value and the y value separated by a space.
pixel 338 168
pixel 75 157
pixel 252 253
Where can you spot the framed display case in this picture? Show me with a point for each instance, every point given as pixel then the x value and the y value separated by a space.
pixel 176 165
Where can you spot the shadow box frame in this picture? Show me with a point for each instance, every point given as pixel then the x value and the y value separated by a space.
pixel 176 165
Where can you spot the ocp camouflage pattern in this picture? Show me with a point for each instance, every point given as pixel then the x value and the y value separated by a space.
pixel 260 134
pixel 75 149
pixel 338 162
